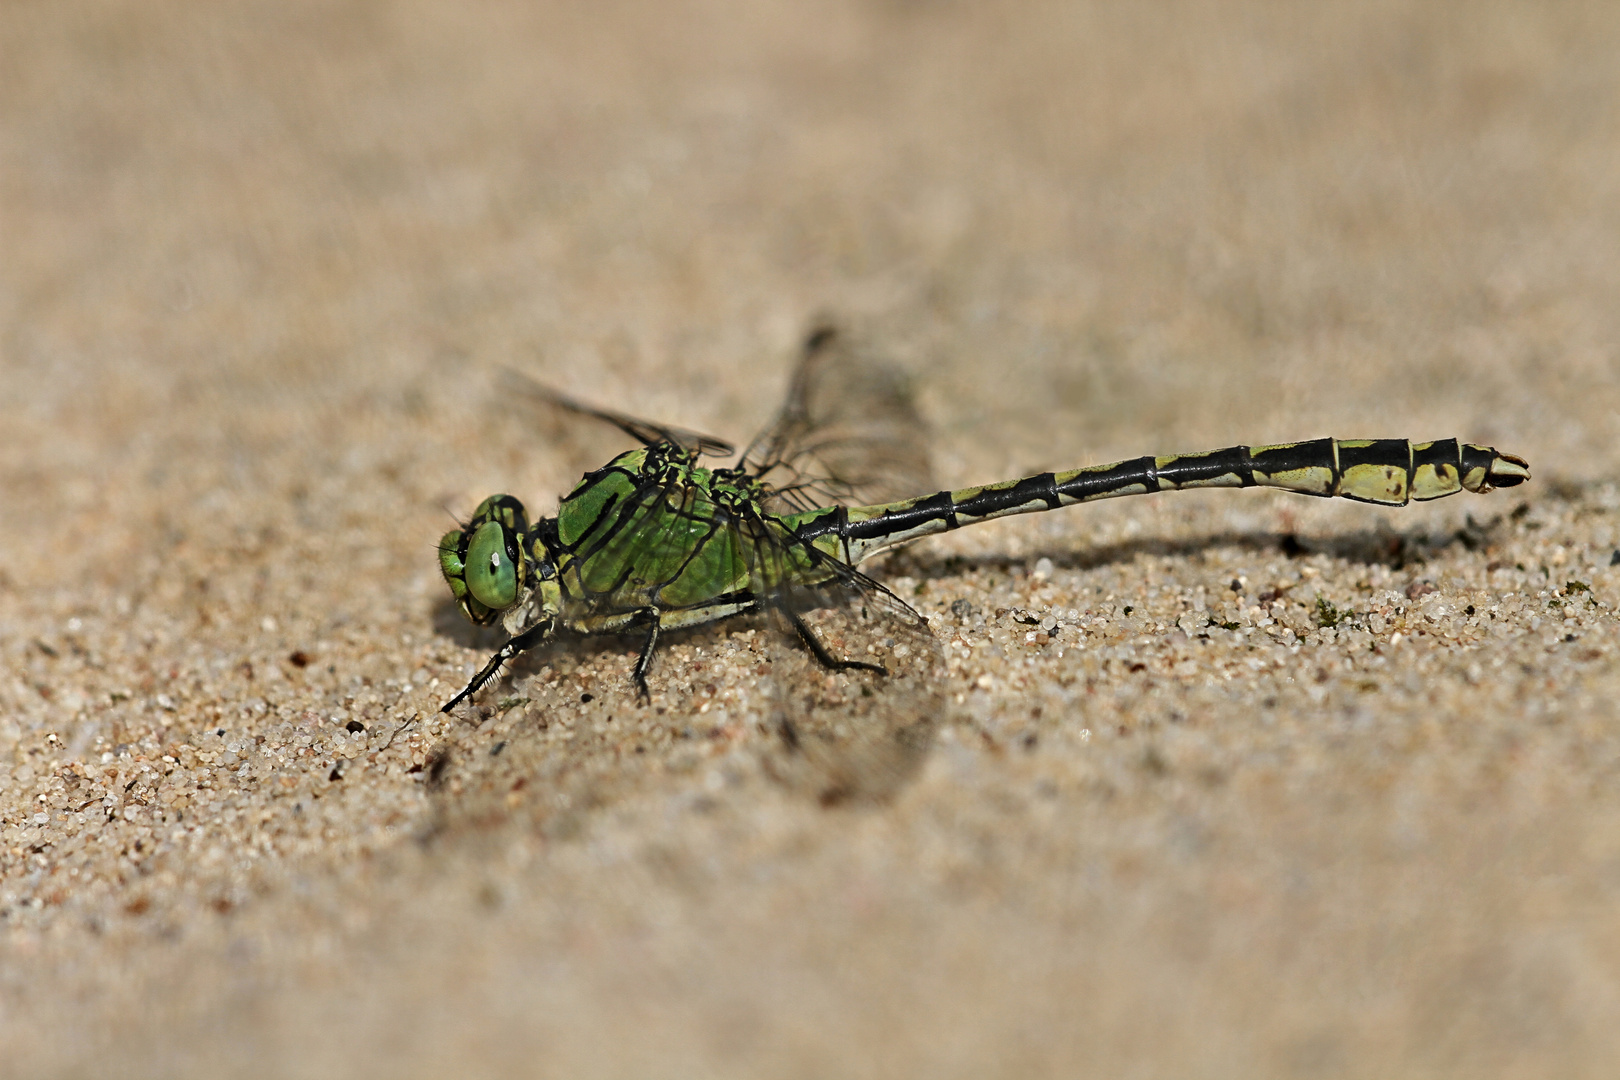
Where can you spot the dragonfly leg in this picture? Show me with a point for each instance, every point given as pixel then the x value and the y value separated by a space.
pixel 821 653
pixel 526 640
pixel 644 661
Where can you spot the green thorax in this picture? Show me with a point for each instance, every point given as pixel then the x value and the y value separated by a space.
pixel 652 528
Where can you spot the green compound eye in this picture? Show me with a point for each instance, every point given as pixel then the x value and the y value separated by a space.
pixel 489 573
pixel 450 562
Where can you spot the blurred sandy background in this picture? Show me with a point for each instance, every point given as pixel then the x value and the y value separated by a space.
pixel 257 264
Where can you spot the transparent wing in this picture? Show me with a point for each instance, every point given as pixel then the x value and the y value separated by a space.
pixel 644 431
pixel 856 676
pixel 848 432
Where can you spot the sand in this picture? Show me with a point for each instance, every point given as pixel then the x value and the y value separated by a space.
pixel 1228 784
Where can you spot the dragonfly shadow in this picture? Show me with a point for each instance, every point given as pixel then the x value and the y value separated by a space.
pixel 449 622
pixel 736 702
pixel 1364 547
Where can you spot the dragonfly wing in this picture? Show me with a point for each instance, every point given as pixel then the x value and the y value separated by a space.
pixel 644 431
pixel 856 676
pixel 848 432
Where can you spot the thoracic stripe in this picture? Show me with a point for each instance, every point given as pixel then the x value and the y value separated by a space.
pixel 600 521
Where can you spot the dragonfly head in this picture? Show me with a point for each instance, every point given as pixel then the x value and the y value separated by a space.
pixel 483 561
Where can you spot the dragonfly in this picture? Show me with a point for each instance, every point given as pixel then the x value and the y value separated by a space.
pixel 656 541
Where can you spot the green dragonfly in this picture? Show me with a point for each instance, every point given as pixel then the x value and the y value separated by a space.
pixel 654 541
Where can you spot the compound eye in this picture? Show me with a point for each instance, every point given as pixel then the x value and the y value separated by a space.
pixel 490 575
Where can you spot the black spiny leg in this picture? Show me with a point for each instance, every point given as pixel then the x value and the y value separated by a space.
pixel 644 661
pixel 827 659
pixel 524 641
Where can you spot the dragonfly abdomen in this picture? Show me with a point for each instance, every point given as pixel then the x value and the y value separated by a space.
pixel 1391 472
